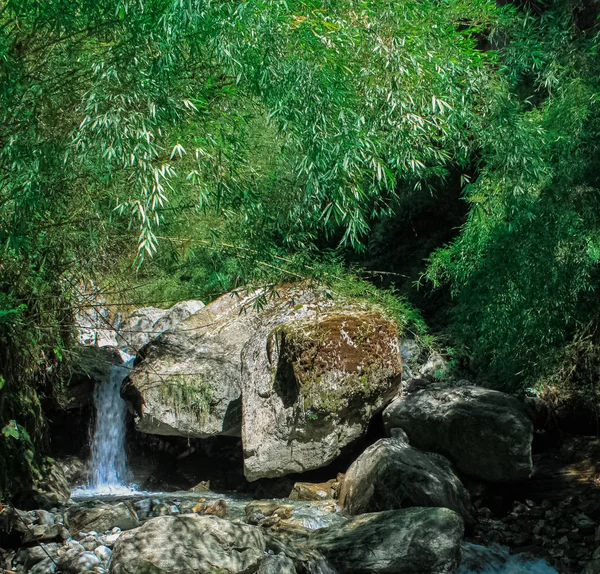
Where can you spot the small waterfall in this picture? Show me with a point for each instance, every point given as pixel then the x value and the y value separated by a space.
pixel 108 474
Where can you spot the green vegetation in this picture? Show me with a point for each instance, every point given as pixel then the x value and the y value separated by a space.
pixel 168 150
pixel 188 392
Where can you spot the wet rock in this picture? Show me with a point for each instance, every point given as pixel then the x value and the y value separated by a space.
pixel 143 508
pixel 277 564
pixel 29 557
pixel 317 491
pixel 73 560
pixel 164 509
pixel 585 524
pixel 411 541
pixel 103 552
pixel 391 474
pixel 211 508
pixel 487 434
pixel 258 510
pixel 202 486
pixel 189 543
pixel 45 566
pixel 101 517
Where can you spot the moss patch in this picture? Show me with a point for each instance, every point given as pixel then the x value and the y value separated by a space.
pixel 187 392
pixel 333 362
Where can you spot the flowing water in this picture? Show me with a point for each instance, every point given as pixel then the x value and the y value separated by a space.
pixel 496 559
pixel 108 474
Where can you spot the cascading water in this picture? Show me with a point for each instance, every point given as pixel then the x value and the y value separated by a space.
pixel 108 473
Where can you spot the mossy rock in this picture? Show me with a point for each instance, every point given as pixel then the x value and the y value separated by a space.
pixel 336 361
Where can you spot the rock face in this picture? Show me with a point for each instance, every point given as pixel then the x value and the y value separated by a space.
pixel 188 382
pixel 100 326
pixel 189 543
pixel 277 564
pixel 486 433
pixel 411 541
pixel 311 385
pixel 391 474
pixel 299 377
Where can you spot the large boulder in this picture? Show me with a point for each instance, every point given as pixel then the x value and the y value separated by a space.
pixel 485 433
pixel 391 474
pixel 277 564
pixel 189 543
pixel 312 383
pixel 188 380
pixel 101 517
pixel 298 375
pixel 412 541
pixel 143 325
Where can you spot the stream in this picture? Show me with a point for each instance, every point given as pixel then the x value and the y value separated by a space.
pixel 108 483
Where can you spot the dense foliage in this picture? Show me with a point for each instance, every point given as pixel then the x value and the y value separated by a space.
pixel 188 148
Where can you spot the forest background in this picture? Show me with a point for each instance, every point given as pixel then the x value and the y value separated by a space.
pixel 440 158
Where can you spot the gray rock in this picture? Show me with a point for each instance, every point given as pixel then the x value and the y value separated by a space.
pixel 45 566
pixel 143 508
pixel 101 517
pixel 277 564
pixel 32 555
pixel 100 326
pixel 103 552
pixel 486 433
pixel 147 323
pixel 391 474
pixel 193 379
pixel 73 560
pixel 411 541
pixel 593 566
pixel 311 384
pixel 189 543
pixel 188 383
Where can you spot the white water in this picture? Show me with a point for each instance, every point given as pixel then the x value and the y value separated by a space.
pixel 496 559
pixel 108 474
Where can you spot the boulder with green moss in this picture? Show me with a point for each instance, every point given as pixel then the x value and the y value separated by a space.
pixel 312 383
pixel 298 372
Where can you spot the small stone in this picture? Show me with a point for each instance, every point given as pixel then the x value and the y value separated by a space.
pixel 213 507
pixel 111 539
pixel 103 552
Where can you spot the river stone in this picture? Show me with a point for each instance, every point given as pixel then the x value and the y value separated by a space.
pixel 391 474
pixel 412 541
pixel 189 543
pixel 485 433
pixel 317 491
pixel 75 561
pixel 312 384
pixel 277 564
pixel 101 517
pixel 45 566
pixel 30 556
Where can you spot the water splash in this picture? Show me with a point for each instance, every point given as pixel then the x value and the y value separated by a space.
pixel 496 559
pixel 108 474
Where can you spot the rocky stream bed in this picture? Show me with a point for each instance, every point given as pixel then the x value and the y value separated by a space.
pixel 303 437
